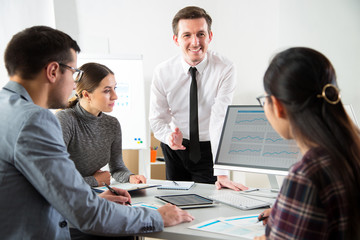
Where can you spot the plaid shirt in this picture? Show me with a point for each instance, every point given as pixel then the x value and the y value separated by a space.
pixel 311 203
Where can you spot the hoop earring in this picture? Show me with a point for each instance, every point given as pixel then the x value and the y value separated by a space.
pixel 323 94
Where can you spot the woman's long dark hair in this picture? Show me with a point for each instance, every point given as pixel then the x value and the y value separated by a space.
pixel 94 73
pixel 297 77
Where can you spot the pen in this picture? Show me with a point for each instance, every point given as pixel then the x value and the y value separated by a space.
pixel 252 190
pixel 262 217
pixel 114 192
pixel 176 183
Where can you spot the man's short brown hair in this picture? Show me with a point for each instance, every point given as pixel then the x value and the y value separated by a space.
pixel 190 12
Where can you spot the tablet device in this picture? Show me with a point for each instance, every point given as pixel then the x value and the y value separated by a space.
pixel 187 200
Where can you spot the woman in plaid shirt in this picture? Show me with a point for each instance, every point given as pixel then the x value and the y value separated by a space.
pixel 320 196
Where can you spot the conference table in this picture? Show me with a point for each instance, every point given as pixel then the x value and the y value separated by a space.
pixel 182 231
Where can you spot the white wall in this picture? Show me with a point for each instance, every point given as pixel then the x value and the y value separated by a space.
pixel 16 15
pixel 244 31
pixel 247 32
pixel 333 28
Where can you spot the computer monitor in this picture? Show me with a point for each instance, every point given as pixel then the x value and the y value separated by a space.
pixel 248 143
pixel 350 112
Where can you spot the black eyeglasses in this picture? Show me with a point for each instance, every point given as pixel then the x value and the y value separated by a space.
pixel 77 73
pixel 262 98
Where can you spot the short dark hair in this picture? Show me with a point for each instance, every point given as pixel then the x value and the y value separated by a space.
pixel 31 49
pixel 191 12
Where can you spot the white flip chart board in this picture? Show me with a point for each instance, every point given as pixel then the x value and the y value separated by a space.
pixel 129 108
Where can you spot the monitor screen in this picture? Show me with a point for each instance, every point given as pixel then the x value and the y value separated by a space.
pixel 249 143
pixel 350 112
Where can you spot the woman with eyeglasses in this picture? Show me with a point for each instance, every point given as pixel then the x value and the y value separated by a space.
pixel 92 137
pixel 320 196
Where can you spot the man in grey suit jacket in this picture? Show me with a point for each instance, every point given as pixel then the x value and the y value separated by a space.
pixel 41 190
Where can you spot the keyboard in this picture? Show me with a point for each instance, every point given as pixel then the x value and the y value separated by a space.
pixel 239 201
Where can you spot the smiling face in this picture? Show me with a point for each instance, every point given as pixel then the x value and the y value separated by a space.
pixel 193 38
pixel 102 99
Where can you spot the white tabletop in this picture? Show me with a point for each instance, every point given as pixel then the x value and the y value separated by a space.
pixel 182 231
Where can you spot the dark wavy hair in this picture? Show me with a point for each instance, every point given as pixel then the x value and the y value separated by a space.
pixel 296 77
pixel 94 73
pixel 33 48
pixel 191 12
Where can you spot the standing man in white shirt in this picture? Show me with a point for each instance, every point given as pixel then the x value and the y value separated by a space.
pixel 171 107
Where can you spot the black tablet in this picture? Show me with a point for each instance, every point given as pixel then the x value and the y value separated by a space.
pixel 187 200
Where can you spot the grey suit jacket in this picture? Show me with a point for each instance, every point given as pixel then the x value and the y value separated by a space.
pixel 40 188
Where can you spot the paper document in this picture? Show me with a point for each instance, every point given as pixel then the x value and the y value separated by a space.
pixel 239 226
pixel 174 185
pixel 129 186
pixel 146 205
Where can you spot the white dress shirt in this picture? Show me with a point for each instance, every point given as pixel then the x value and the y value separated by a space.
pixel 169 99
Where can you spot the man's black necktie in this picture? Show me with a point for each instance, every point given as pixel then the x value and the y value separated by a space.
pixel 194 122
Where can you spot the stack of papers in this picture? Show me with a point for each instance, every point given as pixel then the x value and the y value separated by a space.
pixel 146 205
pixel 239 226
pixel 160 184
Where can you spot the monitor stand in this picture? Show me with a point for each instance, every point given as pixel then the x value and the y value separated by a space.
pixel 266 192
pixel 273 183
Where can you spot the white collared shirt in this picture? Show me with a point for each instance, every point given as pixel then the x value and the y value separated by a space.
pixel 170 100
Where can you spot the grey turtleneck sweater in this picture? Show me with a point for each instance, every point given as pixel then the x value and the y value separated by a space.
pixel 93 142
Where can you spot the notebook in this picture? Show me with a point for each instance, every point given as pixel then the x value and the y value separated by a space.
pixel 127 186
pixel 172 185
